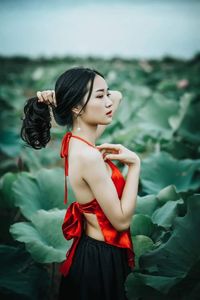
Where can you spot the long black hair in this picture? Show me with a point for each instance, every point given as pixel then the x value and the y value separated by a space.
pixel 70 89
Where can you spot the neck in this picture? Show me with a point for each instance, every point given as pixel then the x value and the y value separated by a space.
pixel 87 132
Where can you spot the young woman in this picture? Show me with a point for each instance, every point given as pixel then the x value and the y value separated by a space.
pixel 101 255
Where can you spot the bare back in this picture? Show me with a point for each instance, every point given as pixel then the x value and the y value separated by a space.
pixel 80 187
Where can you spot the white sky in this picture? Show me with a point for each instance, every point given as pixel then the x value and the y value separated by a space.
pixel 113 28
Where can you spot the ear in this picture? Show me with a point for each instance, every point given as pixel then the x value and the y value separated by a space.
pixel 76 110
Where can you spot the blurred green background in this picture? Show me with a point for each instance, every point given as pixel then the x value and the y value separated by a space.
pixel 158 118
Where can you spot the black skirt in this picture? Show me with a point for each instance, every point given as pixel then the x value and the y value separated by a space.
pixel 98 272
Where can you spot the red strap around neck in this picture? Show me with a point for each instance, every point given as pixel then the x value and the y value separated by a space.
pixel 64 154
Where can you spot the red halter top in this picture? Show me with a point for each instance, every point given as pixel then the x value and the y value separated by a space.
pixel 73 224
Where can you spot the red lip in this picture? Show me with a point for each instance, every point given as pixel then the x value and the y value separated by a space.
pixel 110 112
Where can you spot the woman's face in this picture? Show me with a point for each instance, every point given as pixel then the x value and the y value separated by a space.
pixel 99 104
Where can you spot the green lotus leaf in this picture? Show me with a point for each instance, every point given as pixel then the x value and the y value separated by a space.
pixel 176 119
pixel 6 195
pixel 141 244
pixel 44 158
pixel 186 122
pixel 7 204
pixel 43 236
pixel 130 136
pixel 20 277
pixel 155 114
pixel 167 84
pixel 5 94
pixel 148 287
pixel 168 193
pixel 142 225
pixel 161 169
pixel 136 94
pixel 165 215
pixel 176 257
pixel 180 149
pixel 146 205
pixel 45 190
pixel 137 97
pixel 10 143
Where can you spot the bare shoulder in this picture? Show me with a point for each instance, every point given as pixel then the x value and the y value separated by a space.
pixel 92 162
pixel 90 154
pixel 83 156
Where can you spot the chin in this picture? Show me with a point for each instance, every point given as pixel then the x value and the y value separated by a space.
pixel 105 122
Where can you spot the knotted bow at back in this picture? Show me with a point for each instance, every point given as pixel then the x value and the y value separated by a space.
pixel 72 228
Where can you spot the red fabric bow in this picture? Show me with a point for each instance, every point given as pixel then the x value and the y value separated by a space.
pixel 72 227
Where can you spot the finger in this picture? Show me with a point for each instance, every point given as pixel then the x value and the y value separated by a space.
pixel 110 151
pixel 43 96
pixel 39 95
pixel 109 146
pixel 113 156
pixel 102 151
pixel 51 97
pixel 50 94
pixel 54 98
pixel 113 151
pixel 47 96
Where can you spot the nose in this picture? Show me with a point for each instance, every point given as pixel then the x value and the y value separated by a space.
pixel 109 102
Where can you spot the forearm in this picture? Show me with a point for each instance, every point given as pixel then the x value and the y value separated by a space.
pixel 129 195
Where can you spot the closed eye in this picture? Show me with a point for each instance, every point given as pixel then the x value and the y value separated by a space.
pixel 101 96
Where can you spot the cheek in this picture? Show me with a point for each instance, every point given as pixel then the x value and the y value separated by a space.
pixel 95 109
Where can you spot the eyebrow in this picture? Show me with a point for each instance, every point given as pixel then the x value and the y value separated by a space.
pixel 101 90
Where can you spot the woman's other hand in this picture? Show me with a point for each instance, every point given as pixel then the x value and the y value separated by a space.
pixel 119 152
pixel 48 97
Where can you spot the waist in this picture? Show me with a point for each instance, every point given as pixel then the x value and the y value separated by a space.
pixel 94 241
pixel 93 232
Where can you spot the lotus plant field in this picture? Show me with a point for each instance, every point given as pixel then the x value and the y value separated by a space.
pixel 159 119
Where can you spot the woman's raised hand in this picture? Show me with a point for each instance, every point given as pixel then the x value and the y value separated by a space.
pixel 119 152
pixel 48 97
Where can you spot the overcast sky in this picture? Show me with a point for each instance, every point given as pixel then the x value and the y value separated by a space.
pixel 139 29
